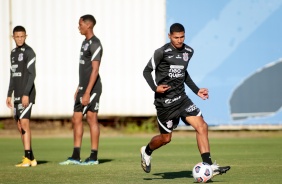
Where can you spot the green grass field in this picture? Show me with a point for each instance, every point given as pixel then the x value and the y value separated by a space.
pixel 252 160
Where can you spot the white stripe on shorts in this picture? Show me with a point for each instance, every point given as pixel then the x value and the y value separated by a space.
pixel 25 110
pixel 91 98
pixel 169 131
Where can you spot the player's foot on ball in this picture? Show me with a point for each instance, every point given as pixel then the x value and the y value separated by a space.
pixel 70 161
pixel 217 170
pixel 145 160
pixel 89 161
pixel 25 163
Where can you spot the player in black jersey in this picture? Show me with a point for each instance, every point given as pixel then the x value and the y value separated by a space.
pixel 88 93
pixel 170 64
pixel 22 76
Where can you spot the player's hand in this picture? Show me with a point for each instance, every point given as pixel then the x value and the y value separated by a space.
pixel 25 101
pixel 203 93
pixel 85 99
pixel 162 88
pixel 8 102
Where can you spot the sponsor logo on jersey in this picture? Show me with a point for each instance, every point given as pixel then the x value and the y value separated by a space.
pixel 17 98
pixel 14 67
pixel 82 61
pixel 17 74
pixel 178 57
pixel 169 101
pixel 20 58
pixel 80 88
pixel 14 50
pixel 169 123
pixel 167 50
pixel 23 49
pixel 191 108
pixel 170 57
pixel 176 71
pixel 185 56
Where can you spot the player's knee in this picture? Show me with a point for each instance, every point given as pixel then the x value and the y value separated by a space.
pixel 203 128
pixel 23 131
pixel 166 140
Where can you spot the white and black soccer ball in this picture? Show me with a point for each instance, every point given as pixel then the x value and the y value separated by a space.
pixel 202 172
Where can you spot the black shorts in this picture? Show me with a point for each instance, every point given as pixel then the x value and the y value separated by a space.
pixel 168 118
pixel 93 106
pixel 22 113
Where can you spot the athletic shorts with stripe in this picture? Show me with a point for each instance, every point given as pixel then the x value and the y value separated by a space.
pixel 93 106
pixel 22 113
pixel 168 118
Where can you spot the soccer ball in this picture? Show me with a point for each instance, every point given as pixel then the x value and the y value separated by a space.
pixel 202 172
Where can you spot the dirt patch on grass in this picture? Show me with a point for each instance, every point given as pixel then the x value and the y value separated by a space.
pixel 63 128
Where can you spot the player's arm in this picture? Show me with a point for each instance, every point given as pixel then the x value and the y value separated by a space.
pixel 92 80
pixel 201 92
pixel 10 91
pixel 31 77
pixel 151 65
pixel 96 50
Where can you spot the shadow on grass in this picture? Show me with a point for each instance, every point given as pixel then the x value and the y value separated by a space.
pixel 39 162
pixel 102 161
pixel 172 175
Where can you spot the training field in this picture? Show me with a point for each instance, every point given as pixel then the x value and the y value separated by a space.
pixel 253 159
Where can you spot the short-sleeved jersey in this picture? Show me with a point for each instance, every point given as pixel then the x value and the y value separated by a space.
pixel 91 51
pixel 22 74
pixel 170 65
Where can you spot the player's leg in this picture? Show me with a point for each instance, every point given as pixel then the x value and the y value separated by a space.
pixel 201 128
pixel 92 119
pixel 23 125
pixel 77 139
pixel 165 127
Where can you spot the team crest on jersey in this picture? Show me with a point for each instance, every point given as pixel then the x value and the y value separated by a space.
pixel 20 58
pixel 86 46
pixel 185 56
pixel 169 123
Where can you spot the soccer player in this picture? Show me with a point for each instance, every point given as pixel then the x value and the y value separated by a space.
pixel 22 76
pixel 88 93
pixel 170 64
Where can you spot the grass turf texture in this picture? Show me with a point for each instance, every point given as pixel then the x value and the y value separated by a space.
pixel 252 160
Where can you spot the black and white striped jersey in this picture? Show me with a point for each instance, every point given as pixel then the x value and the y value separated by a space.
pixel 170 66
pixel 22 74
pixel 91 51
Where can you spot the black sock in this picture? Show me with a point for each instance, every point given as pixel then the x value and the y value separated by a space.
pixel 93 155
pixel 31 154
pixel 27 154
pixel 76 153
pixel 148 150
pixel 206 157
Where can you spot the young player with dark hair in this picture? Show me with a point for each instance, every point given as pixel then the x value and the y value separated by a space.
pixel 170 64
pixel 88 93
pixel 22 76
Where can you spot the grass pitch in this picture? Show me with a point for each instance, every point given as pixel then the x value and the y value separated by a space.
pixel 252 160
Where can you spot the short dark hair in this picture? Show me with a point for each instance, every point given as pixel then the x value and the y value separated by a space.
pixel 19 29
pixel 176 27
pixel 90 18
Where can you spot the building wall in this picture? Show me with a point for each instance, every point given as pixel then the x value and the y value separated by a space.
pixel 130 31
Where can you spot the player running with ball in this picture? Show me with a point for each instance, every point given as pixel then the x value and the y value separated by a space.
pixel 170 64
